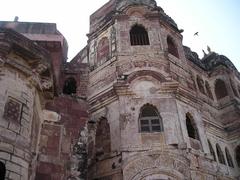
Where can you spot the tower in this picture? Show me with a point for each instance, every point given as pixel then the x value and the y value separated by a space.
pixel 151 105
pixel 133 104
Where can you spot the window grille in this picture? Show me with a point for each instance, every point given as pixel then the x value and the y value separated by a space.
pixel 150 121
pixel 139 36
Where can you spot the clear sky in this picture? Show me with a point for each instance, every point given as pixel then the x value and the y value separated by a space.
pixel 217 21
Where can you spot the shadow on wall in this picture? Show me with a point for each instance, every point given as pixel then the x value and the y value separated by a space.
pixel 2 171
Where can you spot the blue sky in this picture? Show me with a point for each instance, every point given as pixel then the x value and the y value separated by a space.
pixel 217 21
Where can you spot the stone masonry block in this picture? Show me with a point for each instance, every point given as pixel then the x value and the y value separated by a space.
pixel 24 173
pixel 27 157
pixel 13 167
pixel 20 140
pixel 19 152
pixel 4 123
pixel 25 109
pixel 15 127
pixel 25 116
pixel 25 96
pixel 51 116
pixel 20 161
pixel 6 147
pixel 25 132
pixel 5 156
pixel 7 134
pixel 24 123
pixel 14 176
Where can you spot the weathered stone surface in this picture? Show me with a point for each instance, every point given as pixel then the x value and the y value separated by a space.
pixel 131 112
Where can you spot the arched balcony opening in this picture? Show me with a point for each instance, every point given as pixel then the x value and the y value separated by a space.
pixel 139 35
pixel 220 89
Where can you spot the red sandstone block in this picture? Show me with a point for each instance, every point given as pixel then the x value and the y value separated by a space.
pixel 44 168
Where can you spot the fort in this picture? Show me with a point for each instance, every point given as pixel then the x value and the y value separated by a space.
pixel 134 104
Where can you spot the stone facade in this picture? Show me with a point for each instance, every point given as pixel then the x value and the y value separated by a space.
pixel 134 104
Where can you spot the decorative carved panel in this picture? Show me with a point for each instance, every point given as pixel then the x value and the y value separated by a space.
pixel 103 50
pixel 12 110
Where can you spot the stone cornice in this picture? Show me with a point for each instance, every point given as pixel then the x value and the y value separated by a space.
pixel 38 62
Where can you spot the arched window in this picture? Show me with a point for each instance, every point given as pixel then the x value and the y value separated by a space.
pixel 220 89
pixel 200 84
pixel 208 89
pixel 149 119
pixel 191 127
pixel 103 140
pixel 229 158
pixel 220 155
pixel 139 36
pixel 172 48
pixel 70 86
pixel 212 150
pixel 237 151
pixel 2 170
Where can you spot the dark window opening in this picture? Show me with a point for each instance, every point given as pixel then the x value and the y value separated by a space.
pixel 229 158
pixel 237 151
pixel 220 89
pixel 200 84
pixel 139 36
pixel 191 127
pixel 2 171
pixel 70 86
pixel 172 48
pixel 212 152
pixel 150 121
pixel 220 155
pixel 209 92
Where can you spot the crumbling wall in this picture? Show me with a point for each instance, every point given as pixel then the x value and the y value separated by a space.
pixel 62 143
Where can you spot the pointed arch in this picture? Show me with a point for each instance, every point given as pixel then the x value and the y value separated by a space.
pixel 191 127
pixel 149 119
pixel 220 155
pixel 229 158
pixel 139 35
pixel 172 48
pixel 103 139
pixel 212 152
pixel 70 86
pixel 220 89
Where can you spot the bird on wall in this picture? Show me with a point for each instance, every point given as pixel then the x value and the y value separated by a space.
pixel 196 34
